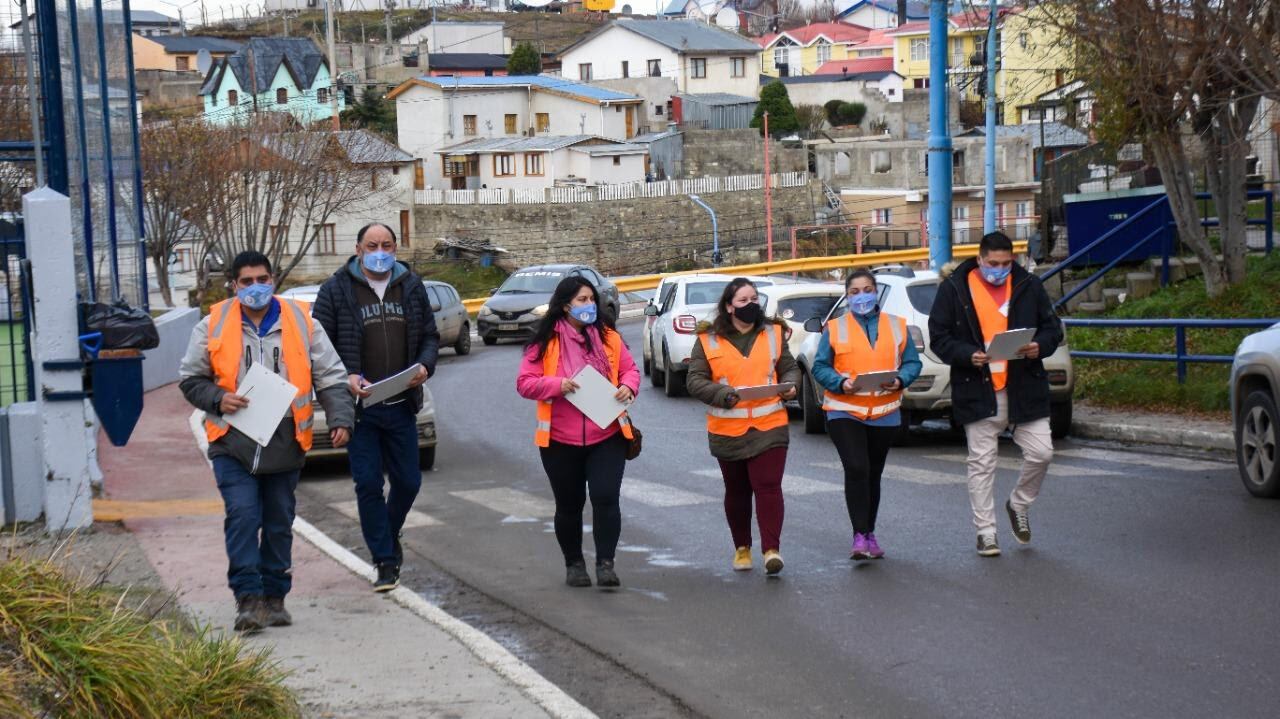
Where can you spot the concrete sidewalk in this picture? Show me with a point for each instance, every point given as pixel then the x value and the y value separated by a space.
pixel 1151 428
pixel 352 653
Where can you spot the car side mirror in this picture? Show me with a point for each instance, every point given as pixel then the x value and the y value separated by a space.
pixel 493 291
pixel 651 310
pixel 813 324
pixel 435 306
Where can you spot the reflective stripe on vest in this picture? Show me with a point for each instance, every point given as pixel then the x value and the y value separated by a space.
pixel 852 355
pixel 994 320
pixel 613 349
pixel 729 367
pixel 226 350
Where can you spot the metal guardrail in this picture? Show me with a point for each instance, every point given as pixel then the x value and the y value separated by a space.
pixel 802 264
pixel 1180 355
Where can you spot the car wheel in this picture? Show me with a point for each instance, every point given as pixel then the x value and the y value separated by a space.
pixel 1257 430
pixel 426 458
pixel 490 341
pixel 672 381
pixel 463 345
pixel 815 420
pixel 1060 419
pixel 656 377
pixel 648 366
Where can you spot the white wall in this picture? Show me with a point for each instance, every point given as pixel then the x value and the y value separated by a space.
pixel 656 92
pixel 461 37
pixel 872 17
pixel 819 93
pixel 602 170
pixel 566 116
pixel 421 123
pixel 720 75
pixel 609 49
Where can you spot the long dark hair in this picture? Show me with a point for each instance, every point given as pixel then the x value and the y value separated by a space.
pixel 723 323
pixel 563 295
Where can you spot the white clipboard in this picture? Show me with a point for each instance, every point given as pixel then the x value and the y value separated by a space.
pixel 384 390
pixel 269 398
pixel 763 391
pixel 1005 345
pixel 594 397
pixel 871 381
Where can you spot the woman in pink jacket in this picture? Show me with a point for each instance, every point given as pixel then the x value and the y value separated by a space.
pixel 578 455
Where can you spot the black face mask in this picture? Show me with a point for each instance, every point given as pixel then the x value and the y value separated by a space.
pixel 748 313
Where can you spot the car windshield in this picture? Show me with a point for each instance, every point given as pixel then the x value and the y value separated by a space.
pixel 800 309
pixel 921 296
pixel 703 293
pixel 525 283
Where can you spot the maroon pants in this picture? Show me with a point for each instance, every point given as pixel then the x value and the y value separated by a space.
pixel 761 475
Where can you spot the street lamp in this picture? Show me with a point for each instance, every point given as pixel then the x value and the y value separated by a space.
pixel 715 231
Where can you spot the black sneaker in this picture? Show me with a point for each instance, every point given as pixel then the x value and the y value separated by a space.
pixel 276 614
pixel 1021 523
pixel 576 574
pixel 988 546
pixel 388 577
pixel 605 576
pixel 250 615
pixel 399 550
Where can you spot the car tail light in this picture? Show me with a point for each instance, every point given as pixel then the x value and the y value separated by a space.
pixel 917 337
pixel 686 324
pixel 1057 376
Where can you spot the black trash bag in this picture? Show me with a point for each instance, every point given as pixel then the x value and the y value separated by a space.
pixel 122 327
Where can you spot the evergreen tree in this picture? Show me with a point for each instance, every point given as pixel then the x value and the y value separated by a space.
pixel 524 60
pixel 373 112
pixel 782 115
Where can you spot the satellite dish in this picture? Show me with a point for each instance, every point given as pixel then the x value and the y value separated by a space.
pixel 204 61
pixel 535 3
pixel 727 18
pixel 626 9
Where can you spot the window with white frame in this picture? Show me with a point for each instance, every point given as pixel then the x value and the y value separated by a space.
pixel 779 56
pixel 882 216
pixel 960 212
pixel 919 49
pixel 533 163
pixel 504 164
pixel 1022 209
pixel 824 52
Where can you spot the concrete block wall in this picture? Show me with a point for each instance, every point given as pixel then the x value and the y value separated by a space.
pixel 24 465
pixel 161 364
pixel 719 153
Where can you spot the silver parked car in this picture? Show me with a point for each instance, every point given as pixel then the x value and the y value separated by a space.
pixel 452 320
pixel 1255 389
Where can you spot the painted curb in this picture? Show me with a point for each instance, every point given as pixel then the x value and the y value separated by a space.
pixel 1171 437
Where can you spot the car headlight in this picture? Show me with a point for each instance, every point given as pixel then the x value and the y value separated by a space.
pixel 539 311
pixel 484 311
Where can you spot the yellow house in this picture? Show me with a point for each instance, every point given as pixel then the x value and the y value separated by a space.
pixel 1036 55
pixel 177 53
pixel 802 50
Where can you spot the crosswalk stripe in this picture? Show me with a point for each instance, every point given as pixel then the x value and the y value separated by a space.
pixel 1164 462
pixel 924 476
pixel 512 502
pixel 792 484
pixel 1015 464
pixel 661 495
pixel 351 510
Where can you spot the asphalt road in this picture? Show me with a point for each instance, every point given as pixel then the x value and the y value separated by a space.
pixel 1150 589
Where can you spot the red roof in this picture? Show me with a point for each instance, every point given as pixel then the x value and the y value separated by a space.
pixel 877 38
pixel 836 32
pixel 856 66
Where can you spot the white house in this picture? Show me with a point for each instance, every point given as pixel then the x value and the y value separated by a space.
pixel 878 14
pixel 534 163
pixel 461 37
pixel 702 58
pixel 438 112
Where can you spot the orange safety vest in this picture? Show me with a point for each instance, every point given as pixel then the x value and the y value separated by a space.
pixel 613 350
pixel 854 355
pixel 729 367
pixel 226 351
pixel 994 320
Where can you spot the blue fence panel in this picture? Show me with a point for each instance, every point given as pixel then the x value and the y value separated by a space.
pixel 1180 327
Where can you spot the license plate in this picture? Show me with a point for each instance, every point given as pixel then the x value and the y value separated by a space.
pixel 508 328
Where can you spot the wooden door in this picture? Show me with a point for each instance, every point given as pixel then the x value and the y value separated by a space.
pixel 405 223
pixel 631 121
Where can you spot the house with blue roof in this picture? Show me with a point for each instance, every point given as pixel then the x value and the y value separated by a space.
pixel 270 74
pixel 434 113
pixel 879 14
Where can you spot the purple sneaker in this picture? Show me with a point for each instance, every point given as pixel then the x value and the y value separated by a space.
pixel 873 547
pixel 860 549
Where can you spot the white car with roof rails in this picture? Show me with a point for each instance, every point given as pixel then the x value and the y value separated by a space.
pixel 909 294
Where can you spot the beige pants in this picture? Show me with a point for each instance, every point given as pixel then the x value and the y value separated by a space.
pixel 984 443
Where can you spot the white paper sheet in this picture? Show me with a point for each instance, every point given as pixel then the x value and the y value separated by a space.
pixel 269 398
pixel 390 387
pixel 1005 345
pixel 871 381
pixel 594 397
pixel 762 391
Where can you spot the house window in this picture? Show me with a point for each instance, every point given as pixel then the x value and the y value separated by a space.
pixel 468 124
pixel 617 160
pixel 373 179
pixel 233 98
pixel 699 67
pixel 453 168
pixel 504 165
pixel 738 66
pixel 1022 209
pixel 824 52
pixel 322 96
pixel 584 72
pixel 509 124
pixel 882 216
pixel 779 57
pixel 626 69
pixel 183 63
pixel 881 161
pixel 891 92
pixel 920 83
pixel 960 212
pixel 657 110
pixel 280 236
pixel 655 68
pixel 326 239
pixel 282 96
pixel 533 163
pixel 544 122
pixel 919 49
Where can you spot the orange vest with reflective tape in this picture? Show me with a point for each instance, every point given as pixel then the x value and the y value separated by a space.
pixel 226 354
pixel 993 318
pixel 729 367
pixel 853 355
pixel 613 350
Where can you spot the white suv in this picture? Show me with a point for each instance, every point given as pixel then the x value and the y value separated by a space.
pixel 909 294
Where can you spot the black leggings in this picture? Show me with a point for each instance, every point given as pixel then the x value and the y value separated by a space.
pixel 574 471
pixel 863 450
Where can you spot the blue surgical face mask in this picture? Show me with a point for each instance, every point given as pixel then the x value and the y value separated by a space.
pixel 995 275
pixel 863 302
pixel 255 296
pixel 586 314
pixel 379 262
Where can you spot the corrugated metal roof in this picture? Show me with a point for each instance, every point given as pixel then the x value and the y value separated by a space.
pixel 179 43
pixel 652 136
pixel 546 143
pixel 540 82
pixel 364 147
pixel 717 98
pixel 620 149
pixel 689 35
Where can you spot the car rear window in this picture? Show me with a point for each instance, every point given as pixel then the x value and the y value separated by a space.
pixel 524 283
pixel 703 293
pixel 922 295
pixel 800 309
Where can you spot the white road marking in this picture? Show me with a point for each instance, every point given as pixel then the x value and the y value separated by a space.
pixel 1015 464
pixel 351 510
pixel 1165 462
pixel 792 484
pixel 660 495
pixel 924 476
pixel 510 502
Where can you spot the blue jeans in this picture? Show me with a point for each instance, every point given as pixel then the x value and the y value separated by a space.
pixel 385 439
pixel 258 528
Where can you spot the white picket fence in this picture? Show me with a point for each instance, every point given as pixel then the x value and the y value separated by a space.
pixel 605 193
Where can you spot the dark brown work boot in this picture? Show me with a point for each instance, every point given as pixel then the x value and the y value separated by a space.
pixel 276 614
pixel 250 615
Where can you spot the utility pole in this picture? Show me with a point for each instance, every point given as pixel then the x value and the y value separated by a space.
pixel 989 204
pixel 333 64
pixel 386 17
pixel 939 140
pixel 253 76
pixel 768 194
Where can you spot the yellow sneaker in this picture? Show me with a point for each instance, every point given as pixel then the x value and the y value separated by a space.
pixel 742 559
pixel 772 561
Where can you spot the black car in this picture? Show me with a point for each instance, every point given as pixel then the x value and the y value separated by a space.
pixel 516 307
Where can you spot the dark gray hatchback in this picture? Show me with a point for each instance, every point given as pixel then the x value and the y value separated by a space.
pixel 516 307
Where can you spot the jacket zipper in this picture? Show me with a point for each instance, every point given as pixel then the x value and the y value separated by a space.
pixel 257 449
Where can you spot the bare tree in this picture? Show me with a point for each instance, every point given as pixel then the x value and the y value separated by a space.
pixel 16 177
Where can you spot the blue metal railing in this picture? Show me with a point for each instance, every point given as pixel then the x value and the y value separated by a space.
pixel 1180 327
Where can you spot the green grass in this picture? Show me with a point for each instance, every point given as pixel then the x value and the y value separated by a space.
pixel 1154 385
pixel 471 280
pixel 13 371
pixel 74 649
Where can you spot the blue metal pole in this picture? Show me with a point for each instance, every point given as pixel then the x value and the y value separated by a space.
pixel 55 129
pixel 86 212
pixel 939 140
pixel 715 230
pixel 108 155
pixel 989 206
pixel 1180 341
